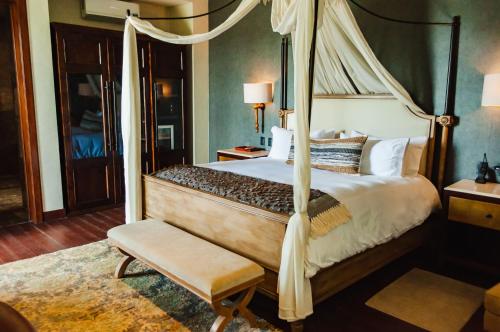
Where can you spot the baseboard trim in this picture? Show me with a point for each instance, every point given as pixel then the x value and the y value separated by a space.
pixel 54 214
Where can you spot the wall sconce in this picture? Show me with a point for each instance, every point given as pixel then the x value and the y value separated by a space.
pixel 258 94
pixel 491 90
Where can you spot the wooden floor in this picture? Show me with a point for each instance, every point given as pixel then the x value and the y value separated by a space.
pixel 28 240
pixel 344 312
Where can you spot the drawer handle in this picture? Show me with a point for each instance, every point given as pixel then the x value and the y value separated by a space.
pixel 489 216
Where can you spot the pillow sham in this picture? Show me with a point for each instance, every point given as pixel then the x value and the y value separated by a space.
pixel 383 157
pixel 324 134
pixel 91 121
pixel 336 155
pixel 282 140
pixel 413 156
pixel 413 153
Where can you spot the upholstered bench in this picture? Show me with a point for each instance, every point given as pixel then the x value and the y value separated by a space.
pixel 492 309
pixel 209 271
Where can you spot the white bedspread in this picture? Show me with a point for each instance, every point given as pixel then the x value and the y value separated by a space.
pixel 382 208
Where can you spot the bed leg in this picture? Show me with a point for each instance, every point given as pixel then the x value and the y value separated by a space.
pixel 123 264
pixel 297 326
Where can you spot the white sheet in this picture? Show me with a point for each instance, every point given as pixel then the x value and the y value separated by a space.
pixel 383 208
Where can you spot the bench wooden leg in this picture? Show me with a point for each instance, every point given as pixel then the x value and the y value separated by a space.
pixel 123 264
pixel 228 312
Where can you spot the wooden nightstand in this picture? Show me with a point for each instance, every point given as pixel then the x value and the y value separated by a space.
pixel 232 154
pixel 473 203
pixel 471 237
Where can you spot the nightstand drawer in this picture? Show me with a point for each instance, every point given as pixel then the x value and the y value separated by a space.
pixel 474 212
pixel 225 158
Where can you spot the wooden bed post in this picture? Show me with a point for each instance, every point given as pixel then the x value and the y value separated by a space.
pixel 448 120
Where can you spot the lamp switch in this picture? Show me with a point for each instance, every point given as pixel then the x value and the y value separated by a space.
pixel 262 141
pixel 269 141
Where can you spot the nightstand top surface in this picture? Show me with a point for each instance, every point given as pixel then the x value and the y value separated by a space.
pixel 470 187
pixel 252 154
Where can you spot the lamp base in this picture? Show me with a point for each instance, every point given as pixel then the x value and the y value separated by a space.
pixel 256 109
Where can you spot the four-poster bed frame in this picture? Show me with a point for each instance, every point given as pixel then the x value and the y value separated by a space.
pixel 258 234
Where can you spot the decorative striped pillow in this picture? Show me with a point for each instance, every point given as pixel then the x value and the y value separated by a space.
pixel 342 155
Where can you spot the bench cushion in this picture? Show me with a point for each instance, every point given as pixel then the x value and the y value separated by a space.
pixel 194 262
pixel 492 300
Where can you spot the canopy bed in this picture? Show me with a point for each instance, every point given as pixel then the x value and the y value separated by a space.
pixel 285 243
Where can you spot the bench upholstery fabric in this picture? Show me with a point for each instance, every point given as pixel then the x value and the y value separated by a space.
pixel 199 263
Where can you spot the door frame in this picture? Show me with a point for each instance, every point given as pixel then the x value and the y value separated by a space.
pixel 25 99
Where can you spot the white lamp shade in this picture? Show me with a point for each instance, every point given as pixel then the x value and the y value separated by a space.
pixel 256 93
pixel 491 90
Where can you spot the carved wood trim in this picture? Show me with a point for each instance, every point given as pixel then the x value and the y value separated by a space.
pixel 283 115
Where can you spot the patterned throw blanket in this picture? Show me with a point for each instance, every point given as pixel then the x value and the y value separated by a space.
pixel 325 211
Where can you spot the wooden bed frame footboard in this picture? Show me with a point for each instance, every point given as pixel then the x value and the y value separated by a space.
pixel 258 235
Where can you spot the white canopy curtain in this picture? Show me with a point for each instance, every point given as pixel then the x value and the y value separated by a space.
pixel 340 45
pixel 131 116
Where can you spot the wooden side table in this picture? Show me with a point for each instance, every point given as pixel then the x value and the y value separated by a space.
pixel 233 154
pixel 472 231
pixel 473 203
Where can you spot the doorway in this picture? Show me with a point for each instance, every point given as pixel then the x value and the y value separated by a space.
pixel 13 205
pixel 20 189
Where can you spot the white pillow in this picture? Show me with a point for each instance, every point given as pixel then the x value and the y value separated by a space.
pixel 413 154
pixel 282 141
pixel 384 157
pixel 324 134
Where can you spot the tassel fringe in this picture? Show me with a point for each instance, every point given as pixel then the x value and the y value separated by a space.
pixel 327 220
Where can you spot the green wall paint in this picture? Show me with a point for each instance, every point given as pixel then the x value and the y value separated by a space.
pixel 417 56
pixel 247 53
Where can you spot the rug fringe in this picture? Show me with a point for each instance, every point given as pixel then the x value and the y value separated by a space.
pixel 327 220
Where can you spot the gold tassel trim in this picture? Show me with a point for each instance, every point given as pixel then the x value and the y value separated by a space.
pixel 327 220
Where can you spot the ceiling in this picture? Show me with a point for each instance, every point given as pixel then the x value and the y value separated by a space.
pixel 168 2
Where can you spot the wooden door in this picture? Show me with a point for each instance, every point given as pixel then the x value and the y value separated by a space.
pixel 169 87
pixel 144 49
pixel 115 58
pixel 86 121
pixel 115 47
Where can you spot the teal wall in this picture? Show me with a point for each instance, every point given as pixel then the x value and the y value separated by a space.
pixel 249 52
pixel 416 55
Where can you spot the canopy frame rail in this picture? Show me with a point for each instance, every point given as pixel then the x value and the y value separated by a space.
pixel 446 121
pixel 187 17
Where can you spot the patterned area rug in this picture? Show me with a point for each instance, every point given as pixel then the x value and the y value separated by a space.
pixel 429 301
pixel 74 290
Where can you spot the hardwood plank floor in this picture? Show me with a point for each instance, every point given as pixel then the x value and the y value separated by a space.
pixel 29 240
pixel 344 312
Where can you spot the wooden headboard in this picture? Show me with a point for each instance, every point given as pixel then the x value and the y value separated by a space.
pixel 380 115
